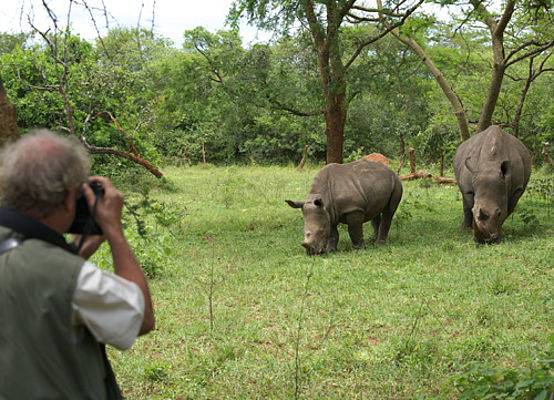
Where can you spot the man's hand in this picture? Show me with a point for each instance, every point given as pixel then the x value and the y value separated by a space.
pixel 108 207
pixel 108 215
pixel 90 245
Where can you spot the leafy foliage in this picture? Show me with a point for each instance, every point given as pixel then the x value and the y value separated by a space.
pixel 216 99
pixel 482 381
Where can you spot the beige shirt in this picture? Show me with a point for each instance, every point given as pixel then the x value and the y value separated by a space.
pixel 111 307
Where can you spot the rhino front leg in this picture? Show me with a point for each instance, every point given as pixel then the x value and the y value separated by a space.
pixel 467 202
pixel 355 229
pixel 333 239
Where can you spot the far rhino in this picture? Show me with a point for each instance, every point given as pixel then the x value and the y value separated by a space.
pixel 351 194
pixel 492 169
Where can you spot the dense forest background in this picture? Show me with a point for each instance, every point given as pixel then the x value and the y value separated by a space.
pixel 215 100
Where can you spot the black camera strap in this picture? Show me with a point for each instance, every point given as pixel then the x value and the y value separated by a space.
pixel 32 229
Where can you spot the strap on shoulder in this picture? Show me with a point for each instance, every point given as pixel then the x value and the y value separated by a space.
pixel 32 229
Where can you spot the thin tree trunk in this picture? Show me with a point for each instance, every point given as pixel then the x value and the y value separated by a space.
pixel 533 74
pixel 452 97
pixel 454 100
pixel 8 117
pixel 519 110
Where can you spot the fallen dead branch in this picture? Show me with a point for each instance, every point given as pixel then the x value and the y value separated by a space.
pixel 304 158
pixel 422 174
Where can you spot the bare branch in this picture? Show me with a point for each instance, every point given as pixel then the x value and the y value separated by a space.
pixel 293 111
pixel 120 153
pixel 85 4
pixel 153 19
pixel 540 47
pixel 388 28
pixel 50 14
pixel 61 89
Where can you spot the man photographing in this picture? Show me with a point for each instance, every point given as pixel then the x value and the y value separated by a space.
pixel 57 310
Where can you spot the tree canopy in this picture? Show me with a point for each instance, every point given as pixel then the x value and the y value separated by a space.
pixel 342 78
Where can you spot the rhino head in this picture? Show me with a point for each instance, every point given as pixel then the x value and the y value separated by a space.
pixel 317 226
pixel 490 205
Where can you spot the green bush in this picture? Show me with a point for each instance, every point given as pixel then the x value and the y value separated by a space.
pixel 482 381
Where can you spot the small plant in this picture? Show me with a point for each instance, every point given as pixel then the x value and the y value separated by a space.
pixel 527 216
pixel 482 381
pixel 355 155
pixel 230 186
pixel 157 372
pixel 543 187
pixel 210 283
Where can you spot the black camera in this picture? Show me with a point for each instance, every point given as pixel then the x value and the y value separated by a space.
pixel 84 222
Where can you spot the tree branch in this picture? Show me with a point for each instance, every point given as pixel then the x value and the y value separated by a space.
pixel 388 28
pixel 120 153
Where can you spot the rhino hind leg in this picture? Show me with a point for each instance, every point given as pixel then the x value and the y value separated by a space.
pixel 355 222
pixel 376 222
pixel 384 227
pixel 387 214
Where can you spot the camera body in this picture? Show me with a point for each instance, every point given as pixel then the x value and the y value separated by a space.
pixel 84 222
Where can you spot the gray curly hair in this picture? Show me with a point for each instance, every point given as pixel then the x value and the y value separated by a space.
pixel 38 171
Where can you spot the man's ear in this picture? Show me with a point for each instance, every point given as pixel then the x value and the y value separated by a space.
pixel 71 200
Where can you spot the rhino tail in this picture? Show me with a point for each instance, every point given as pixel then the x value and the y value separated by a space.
pixel 395 197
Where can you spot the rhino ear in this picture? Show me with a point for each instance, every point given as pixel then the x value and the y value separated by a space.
pixel 468 165
pixel 505 167
pixel 295 204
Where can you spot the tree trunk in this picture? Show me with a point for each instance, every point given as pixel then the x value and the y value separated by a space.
pixel 332 71
pixel 496 28
pixel 335 118
pixel 8 117
pixel 485 119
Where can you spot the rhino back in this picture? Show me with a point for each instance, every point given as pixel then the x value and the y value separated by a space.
pixel 357 186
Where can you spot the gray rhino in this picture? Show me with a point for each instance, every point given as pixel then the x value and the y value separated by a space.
pixel 492 169
pixel 351 194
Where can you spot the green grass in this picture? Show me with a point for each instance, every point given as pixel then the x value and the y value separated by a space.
pixel 390 322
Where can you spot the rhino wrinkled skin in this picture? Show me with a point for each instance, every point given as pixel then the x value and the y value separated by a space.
pixel 351 194
pixel 492 169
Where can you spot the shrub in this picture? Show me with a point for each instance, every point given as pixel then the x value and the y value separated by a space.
pixel 481 381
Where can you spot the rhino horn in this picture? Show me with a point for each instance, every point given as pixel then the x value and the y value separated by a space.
pixel 482 215
pixel 295 204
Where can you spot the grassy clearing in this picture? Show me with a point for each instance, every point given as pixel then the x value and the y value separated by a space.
pixel 243 313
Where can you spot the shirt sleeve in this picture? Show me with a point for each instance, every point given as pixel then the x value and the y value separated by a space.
pixel 111 307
